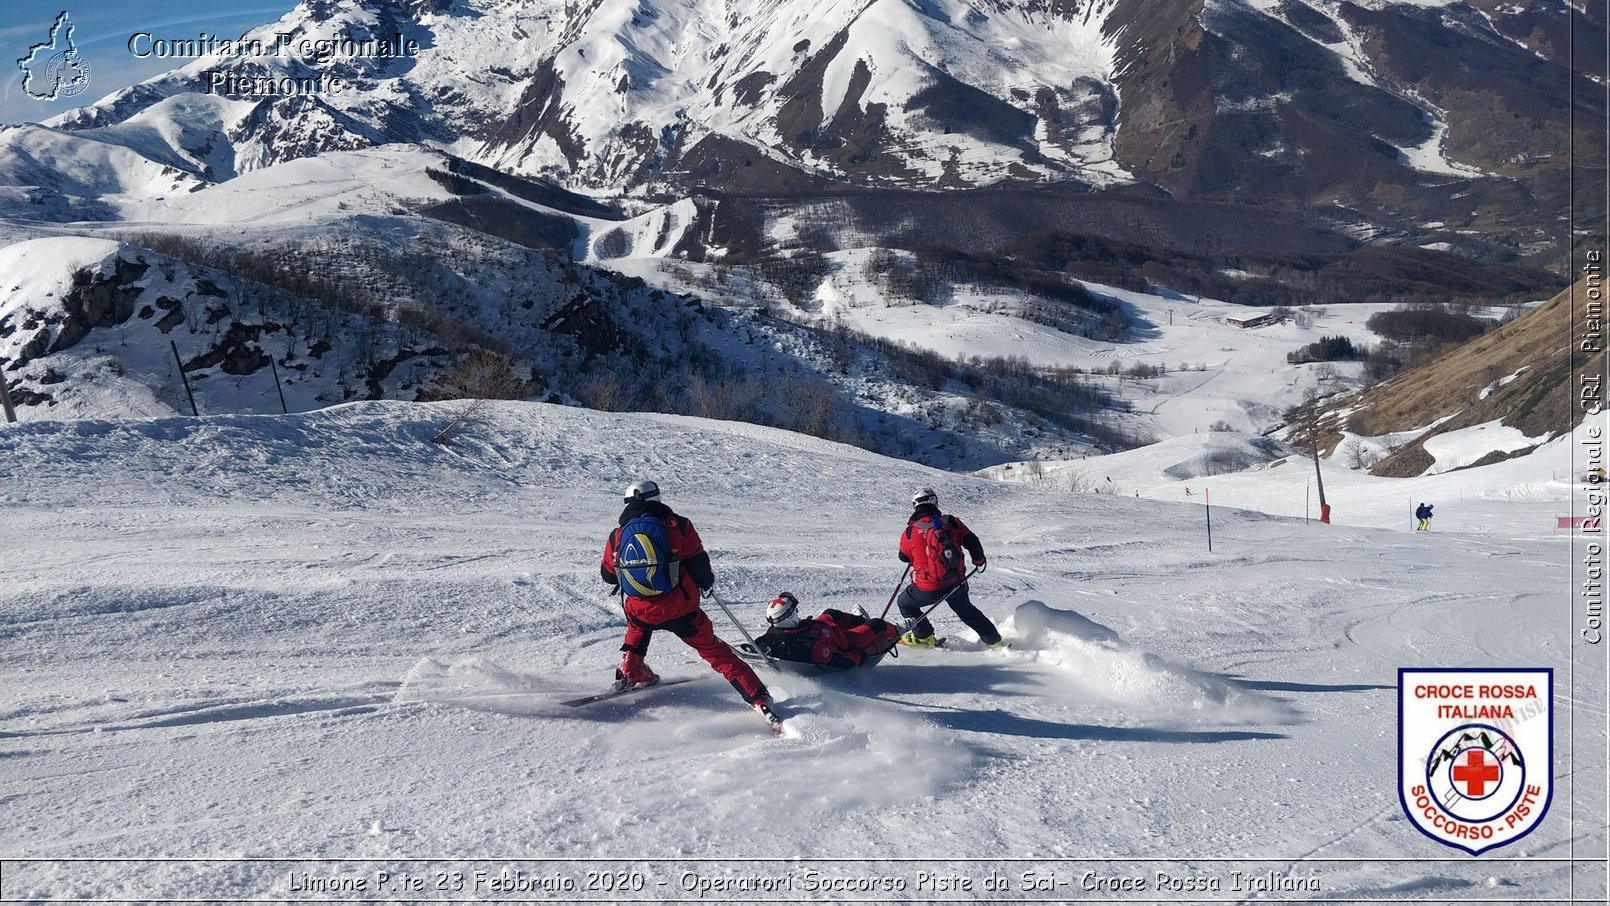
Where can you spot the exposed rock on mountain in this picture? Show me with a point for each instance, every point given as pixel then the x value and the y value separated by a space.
pixel 1457 123
pixel 1536 374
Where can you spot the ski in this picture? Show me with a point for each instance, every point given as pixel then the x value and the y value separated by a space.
pixel 951 643
pixel 765 711
pixel 617 693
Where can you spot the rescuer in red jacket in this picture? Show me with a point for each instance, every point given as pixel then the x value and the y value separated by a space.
pixel 662 591
pixel 932 543
pixel 833 638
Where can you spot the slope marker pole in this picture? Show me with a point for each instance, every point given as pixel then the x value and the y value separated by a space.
pixel 272 367
pixel 186 378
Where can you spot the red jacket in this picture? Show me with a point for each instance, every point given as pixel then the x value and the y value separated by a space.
pixel 833 638
pixel 926 574
pixel 694 565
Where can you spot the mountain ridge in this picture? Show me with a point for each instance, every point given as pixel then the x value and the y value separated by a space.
pixel 1528 374
pixel 790 174
pixel 1369 109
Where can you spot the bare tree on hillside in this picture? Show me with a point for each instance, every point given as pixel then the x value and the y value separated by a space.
pixel 483 374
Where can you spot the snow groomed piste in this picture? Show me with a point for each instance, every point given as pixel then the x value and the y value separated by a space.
pixel 325 635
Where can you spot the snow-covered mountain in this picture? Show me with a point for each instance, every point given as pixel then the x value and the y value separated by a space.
pixel 791 260
pixel 291 315
pixel 1447 122
pixel 961 311
pixel 612 96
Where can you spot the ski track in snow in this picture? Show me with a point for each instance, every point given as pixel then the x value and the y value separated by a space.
pixel 323 635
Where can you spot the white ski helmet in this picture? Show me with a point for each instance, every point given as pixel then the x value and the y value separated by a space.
pixel 924 496
pixel 783 612
pixel 643 490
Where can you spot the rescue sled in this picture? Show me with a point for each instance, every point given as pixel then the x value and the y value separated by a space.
pixel 800 668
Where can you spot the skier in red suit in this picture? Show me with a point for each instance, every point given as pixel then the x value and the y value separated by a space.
pixel 833 638
pixel 933 544
pixel 676 609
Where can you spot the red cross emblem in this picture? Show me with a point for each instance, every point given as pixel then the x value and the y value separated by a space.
pixel 1477 770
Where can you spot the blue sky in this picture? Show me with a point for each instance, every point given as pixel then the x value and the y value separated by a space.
pixel 101 35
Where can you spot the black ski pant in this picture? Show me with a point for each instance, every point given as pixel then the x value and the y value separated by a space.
pixel 913 601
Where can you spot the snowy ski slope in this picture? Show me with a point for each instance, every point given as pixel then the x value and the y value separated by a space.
pixel 321 637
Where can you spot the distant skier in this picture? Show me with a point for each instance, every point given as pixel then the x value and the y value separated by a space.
pixel 660 565
pixel 932 543
pixel 833 638
pixel 1423 513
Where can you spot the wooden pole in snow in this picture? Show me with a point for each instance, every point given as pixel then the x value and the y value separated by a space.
pixel 1207 504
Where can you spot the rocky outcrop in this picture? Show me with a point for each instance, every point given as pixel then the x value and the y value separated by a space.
pixel 97 300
